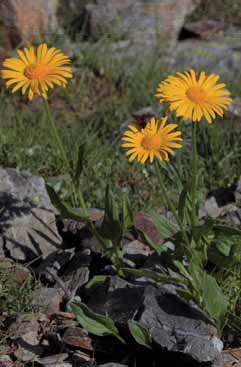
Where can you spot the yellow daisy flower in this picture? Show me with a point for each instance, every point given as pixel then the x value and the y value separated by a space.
pixel 156 140
pixel 36 70
pixel 194 97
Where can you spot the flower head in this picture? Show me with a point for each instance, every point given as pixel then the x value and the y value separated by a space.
pixel 156 140
pixel 34 71
pixel 194 97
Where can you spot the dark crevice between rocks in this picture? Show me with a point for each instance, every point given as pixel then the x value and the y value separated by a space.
pixel 224 195
pixel 186 34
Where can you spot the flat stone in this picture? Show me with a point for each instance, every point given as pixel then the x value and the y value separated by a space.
pixel 56 358
pixel 78 337
pixel 134 19
pixel 48 300
pixel 27 223
pixel 175 325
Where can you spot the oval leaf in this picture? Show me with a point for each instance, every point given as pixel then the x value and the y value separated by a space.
pixel 95 323
pixel 139 333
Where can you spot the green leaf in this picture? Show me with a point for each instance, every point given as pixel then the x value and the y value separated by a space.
pixel 127 215
pixel 94 323
pixel 214 299
pixel 139 333
pixel 226 230
pixel 111 227
pixel 157 248
pixel 182 202
pixel 165 227
pixel 97 279
pixel 65 210
pixel 224 247
pixel 197 274
pixel 203 229
pixel 186 294
pixel 183 270
pixel 157 277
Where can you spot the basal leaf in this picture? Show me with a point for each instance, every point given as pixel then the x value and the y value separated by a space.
pixel 94 323
pixel 157 277
pixel 65 210
pixel 139 333
pixel 214 299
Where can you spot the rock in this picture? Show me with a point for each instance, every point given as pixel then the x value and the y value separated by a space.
pixel 221 56
pixel 25 333
pixel 144 223
pixel 205 28
pixel 78 337
pixel 56 358
pixel 6 361
pixel 80 357
pixel 175 325
pixel 235 107
pixel 144 23
pixel 232 357
pixel 48 299
pixel 136 252
pixel 237 193
pixel 137 248
pixel 18 273
pixel 54 263
pixel 26 20
pixel 112 364
pixel 27 223
pixel 210 209
pixel 233 216
pixel 64 364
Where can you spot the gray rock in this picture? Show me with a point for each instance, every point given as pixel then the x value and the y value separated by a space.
pixel 222 56
pixel 56 358
pixel 175 325
pixel 26 20
pixel 64 364
pixel 140 22
pixel 237 193
pixel 210 208
pixel 25 332
pixel 27 222
pixel 48 299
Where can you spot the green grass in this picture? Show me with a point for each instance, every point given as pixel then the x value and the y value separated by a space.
pixel 16 291
pixel 104 93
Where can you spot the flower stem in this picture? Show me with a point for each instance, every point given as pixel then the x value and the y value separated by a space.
pixel 60 146
pixel 171 205
pixel 55 134
pixel 194 172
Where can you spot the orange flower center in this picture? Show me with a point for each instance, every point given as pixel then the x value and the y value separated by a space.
pixel 196 94
pixel 151 142
pixel 35 71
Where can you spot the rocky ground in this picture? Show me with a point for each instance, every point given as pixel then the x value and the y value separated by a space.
pixel 63 256
pixel 50 261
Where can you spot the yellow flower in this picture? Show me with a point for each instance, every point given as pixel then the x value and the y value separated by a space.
pixel 194 97
pixel 156 140
pixel 36 70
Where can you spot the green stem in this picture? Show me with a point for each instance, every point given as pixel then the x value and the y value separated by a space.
pixel 171 205
pixel 55 134
pixel 194 172
pixel 60 146
pixel 179 152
